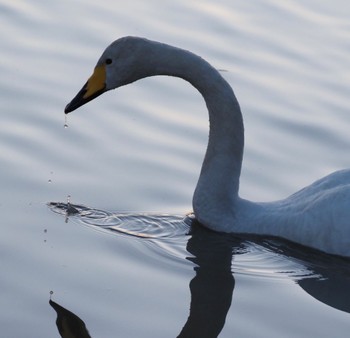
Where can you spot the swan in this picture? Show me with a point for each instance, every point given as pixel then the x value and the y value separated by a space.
pixel 318 216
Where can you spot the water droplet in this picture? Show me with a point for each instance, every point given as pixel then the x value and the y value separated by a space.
pixel 65 122
pixel 49 181
pixel 45 230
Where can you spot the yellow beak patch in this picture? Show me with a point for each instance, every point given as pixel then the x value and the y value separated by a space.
pixel 96 82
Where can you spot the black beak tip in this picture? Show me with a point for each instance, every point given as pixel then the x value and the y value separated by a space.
pixel 80 99
pixel 66 110
pixel 73 105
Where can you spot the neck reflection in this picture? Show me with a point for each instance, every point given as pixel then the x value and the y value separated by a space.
pixel 212 287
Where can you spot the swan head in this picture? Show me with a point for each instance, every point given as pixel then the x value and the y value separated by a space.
pixel 120 64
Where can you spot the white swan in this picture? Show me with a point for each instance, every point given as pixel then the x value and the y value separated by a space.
pixel 317 216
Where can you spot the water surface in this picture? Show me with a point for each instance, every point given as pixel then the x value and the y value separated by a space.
pixel 131 158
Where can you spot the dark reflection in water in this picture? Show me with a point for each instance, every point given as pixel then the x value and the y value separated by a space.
pixel 324 277
pixel 212 287
pixel 68 324
pixel 329 281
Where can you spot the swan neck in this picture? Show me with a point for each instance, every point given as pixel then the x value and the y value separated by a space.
pixel 218 184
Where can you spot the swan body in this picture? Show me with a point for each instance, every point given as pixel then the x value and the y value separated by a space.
pixel 317 216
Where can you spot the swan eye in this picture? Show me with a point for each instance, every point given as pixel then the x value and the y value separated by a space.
pixel 108 61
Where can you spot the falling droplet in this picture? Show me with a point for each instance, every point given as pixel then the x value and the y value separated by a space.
pixel 49 181
pixel 65 122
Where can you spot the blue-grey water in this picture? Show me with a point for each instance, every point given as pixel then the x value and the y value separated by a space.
pixel 125 259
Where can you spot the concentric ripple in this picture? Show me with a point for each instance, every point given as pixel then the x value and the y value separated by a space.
pixel 139 225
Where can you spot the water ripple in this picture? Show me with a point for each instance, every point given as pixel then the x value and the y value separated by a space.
pixel 261 260
pixel 138 225
pixel 181 239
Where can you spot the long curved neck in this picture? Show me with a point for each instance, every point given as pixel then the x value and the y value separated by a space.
pixel 218 184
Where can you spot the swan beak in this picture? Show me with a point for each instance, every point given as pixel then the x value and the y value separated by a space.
pixel 95 86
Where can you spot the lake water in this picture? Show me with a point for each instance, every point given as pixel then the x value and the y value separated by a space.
pixel 131 158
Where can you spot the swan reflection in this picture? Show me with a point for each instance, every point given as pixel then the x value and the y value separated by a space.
pixel 324 277
pixel 212 287
pixel 68 324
